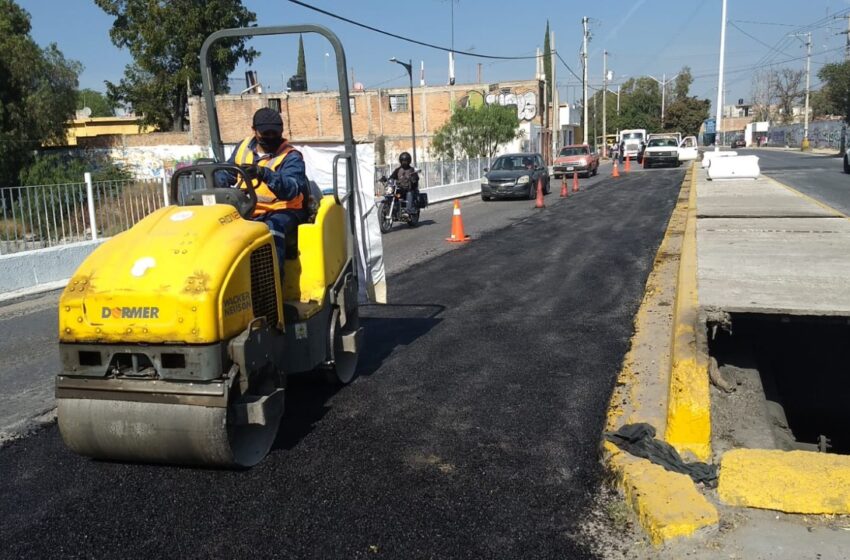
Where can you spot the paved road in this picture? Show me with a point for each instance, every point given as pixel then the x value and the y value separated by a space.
pixel 819 176
pixel 406 246
pixel 28 328
pixel 473 430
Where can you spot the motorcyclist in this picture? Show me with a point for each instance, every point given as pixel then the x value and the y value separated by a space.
pixel 408 181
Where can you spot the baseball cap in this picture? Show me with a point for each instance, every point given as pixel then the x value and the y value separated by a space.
pixel 267 119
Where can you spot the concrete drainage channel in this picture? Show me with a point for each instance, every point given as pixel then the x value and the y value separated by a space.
pixel 784 383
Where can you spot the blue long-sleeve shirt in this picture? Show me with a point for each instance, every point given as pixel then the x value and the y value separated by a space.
pixel 289 180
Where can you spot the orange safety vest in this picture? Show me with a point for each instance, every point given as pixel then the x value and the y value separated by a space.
pixel 267 201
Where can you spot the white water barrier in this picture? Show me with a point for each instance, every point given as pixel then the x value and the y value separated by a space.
pixel 736 167
pixel 708 156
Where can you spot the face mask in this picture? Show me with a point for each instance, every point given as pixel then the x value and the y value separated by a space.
pixel 270 144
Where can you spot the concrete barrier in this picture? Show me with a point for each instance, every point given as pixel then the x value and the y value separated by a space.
pixel 738 167
pixel 448 192
pixel 708 156
pixel 43 268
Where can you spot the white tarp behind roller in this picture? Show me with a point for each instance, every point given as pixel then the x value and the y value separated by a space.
pixel 318 159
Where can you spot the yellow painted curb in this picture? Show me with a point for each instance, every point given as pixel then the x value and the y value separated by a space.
pixel 667 504
pixel 689 404
pixel 789 481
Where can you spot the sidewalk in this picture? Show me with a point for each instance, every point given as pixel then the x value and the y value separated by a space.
pixel 749 248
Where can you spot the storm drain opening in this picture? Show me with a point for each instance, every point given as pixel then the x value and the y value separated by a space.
pixel 789 382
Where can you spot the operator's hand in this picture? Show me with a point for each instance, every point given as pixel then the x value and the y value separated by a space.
pixel 263 174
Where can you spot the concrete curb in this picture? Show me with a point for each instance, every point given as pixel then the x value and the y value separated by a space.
pixel 30 272
pixel 667 504
pixel 789 481
pixel 689 406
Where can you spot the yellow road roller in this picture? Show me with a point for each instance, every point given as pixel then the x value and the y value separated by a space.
pixel 177 335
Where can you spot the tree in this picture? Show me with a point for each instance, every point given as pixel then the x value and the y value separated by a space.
pixel 786 88
pixel 686 115
pixel 760 93
pixel 100 104
pixel 682 83
pixel 476 132
pixel 640 104
pixel 836 88
pixel 301 68
pixel 37 92
pixel 547 64
pixel 165 40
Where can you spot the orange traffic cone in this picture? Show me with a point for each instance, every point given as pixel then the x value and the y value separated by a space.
pixel 628 166
pixel 616 172
pixel 539 202
pixel 565 192
pixel 575 181
pixel 457 235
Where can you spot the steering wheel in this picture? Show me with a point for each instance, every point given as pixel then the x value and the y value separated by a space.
pixel 244 200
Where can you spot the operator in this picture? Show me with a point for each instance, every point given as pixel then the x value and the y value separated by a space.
pixel 281 180
pixel 408 181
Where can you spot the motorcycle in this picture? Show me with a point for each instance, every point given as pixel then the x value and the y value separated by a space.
pixel 393 207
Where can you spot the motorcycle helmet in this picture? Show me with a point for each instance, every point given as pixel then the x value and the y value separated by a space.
pixel 404 158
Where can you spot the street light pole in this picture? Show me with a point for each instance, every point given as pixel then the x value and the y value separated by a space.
pixel 717 125
pixel 409 67
pixel 604 103
pixel 663 83
pixel 584 75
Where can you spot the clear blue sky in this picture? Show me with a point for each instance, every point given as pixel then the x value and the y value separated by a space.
pixel 642 36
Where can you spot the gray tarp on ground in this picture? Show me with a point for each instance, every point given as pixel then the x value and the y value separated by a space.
pixel 639 440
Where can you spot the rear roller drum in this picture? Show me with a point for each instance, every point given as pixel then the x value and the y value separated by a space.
pixel 344 349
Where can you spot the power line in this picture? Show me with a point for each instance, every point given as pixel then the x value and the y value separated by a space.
pixel 408 39
pixel 756 39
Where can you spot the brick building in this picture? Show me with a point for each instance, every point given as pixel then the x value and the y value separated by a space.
pixel 381 116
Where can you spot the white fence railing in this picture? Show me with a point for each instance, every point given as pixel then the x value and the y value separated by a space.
pixel 37 217
pixel 434 174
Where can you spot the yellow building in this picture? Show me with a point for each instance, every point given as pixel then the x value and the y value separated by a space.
pixel 90 127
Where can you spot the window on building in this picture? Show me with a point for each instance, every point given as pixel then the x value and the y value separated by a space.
pixel 351 105
pixel 398 103
pixel 274 104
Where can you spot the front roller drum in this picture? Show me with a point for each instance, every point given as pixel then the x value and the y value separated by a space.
pixel 156 432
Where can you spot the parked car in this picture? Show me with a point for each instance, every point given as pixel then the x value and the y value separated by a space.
pixel 515 175
pixel 739 142
pixel 576 158
pixel 661 151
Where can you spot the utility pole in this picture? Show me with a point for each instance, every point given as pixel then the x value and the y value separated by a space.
pixel 594 121
pixel 604 103
pixel 556 116
pixel 846 36
pixel 618 100
pixel 717 125
pixel 584 74
pixel 805 144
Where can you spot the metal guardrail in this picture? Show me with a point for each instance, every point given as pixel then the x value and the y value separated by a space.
pixel 37 217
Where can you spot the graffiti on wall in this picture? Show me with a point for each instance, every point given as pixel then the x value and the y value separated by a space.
pixel 525 101
pixel 143 162
pixel 822 134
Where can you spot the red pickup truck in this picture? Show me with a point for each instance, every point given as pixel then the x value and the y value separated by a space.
pixel 577 158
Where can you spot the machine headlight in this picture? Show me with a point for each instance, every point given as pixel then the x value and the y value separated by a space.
pixel 582 162
pixel 484 181
pixel 523 180
pixel 389 190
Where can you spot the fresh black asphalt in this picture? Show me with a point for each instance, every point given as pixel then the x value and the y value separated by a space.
pixel 472 432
